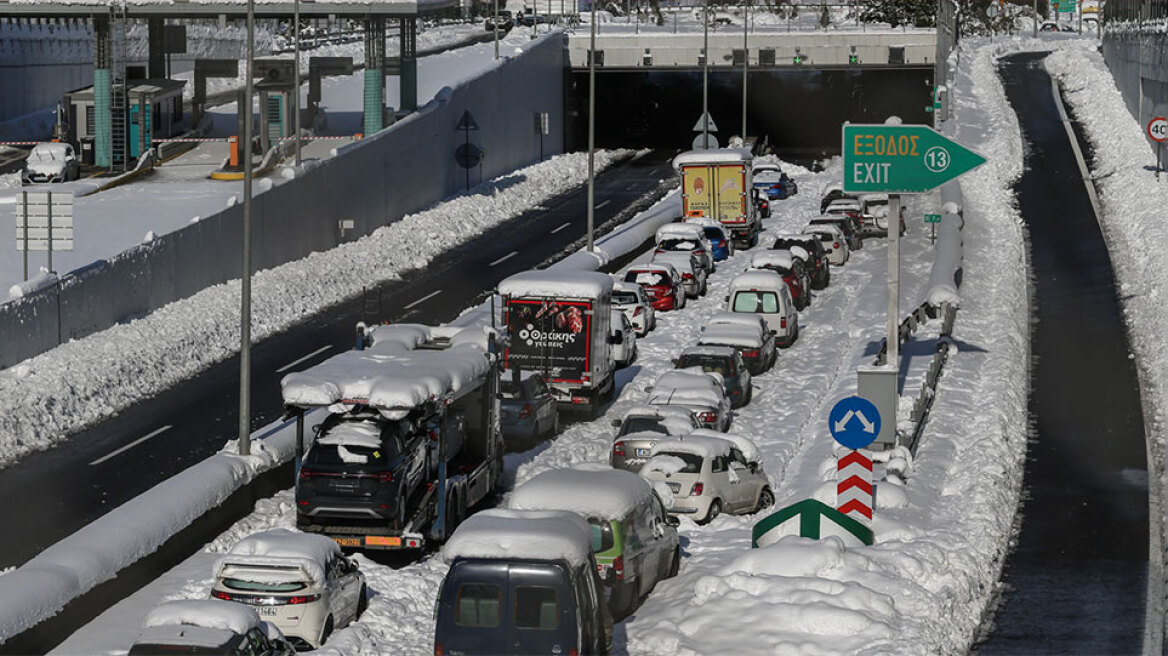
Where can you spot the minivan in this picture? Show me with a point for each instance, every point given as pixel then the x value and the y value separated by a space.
pixel 764 293
pixel 634 539
pixel 522 582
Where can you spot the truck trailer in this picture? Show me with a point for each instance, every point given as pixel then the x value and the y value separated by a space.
pixel 717 184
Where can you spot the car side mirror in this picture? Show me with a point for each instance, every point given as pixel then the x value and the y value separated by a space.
pixel 618 338
pixel 726 298
pixel 774 332
pixel 672 521
pixel 754 467
pixel 616 423
pixel 674 361
pixel 648 389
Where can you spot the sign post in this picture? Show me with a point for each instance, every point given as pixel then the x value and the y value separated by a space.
pixel 932 220
pixel 1158 132
pixel 900 159
pixel 44 222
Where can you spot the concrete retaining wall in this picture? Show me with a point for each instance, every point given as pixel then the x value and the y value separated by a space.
pixel 1138 58
pixel 374 182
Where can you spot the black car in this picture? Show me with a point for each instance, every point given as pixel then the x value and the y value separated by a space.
pixel 819 268
pixel 501 21
pixel 528 409
pixel 361 467
pixel 725 360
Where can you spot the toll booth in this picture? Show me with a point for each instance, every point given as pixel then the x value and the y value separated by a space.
pixel 154 111
pixel 275 111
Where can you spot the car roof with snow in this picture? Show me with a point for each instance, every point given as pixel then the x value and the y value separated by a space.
pixel 726 334
pixel 736 318
pixel 573 284
pixel 508 534
pixel 657 267
pixel 51 150
pixel 643 410
pixel 622 286
pixel 772 258
pixel 698 445
pixel 197 623
pixel 688 387
pixel 745 445
pixel 268 556
pixel 826 229
pixel 680 231
pixel 713 156
pixel 390 376
pixel 710 350
pixel 681 260
pixel 600 492
pixel 756 279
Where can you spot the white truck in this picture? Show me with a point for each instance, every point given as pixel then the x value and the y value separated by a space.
pixel 559 325
pixel 412 438
pixel 718 185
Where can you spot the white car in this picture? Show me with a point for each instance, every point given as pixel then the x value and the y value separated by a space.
pixel 710 475
pixel 689 238
pixel 834 242
pixel 699 391
pixel 624 339
pixel 207 626
pixel 51 162
pixel 764 293
pixel 630 298
pixel 301 583
pixel 640 428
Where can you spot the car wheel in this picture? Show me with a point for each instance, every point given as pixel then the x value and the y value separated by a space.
pixel 624 600
pixel 401 509
pixel 715 510
pixel 766 499
pixel 675 566
pixel 327 631
pixel 705 285
pixel 362 601
pixel 749 395
pixel 555 424
pixel 681 304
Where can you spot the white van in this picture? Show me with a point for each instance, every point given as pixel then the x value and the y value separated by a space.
pixel 764 293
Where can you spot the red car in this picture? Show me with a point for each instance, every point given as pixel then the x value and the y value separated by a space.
pixel 662 283
pixel 790 268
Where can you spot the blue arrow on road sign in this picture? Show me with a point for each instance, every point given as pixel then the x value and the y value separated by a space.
pixel 854 422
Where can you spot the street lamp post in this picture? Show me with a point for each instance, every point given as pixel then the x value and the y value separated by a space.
pixel 495 28
pixel 245 278
pixel 591 123
pixel 745 63
pixel 296 78
pixel 705 73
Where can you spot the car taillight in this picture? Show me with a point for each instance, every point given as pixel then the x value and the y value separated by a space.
pixel 618 449
pixel 835 245
pixel 573 652
pixel 219 594
pixel 750 353
pixel 385 477
pixel 637 310
pixel 525 411
pixel 696 490
pixel 687 276
pixel 306 473
pixel 439 650
pixel 708 417
pixel 783 322
pixel 303 599
pixel 618 567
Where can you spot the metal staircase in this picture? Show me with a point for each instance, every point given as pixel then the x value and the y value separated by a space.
pixel 119 101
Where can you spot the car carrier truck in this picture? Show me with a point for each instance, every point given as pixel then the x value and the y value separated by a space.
pixel 411 440
pixel 559 325
pixel 717 184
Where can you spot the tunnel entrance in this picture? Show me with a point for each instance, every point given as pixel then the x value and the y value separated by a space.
pixel 799 112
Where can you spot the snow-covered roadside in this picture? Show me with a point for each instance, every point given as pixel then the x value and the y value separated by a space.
pixel 1132 203
pixel 93 378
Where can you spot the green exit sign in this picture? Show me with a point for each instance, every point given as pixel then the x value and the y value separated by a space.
pixel 932 218
pixel 901 159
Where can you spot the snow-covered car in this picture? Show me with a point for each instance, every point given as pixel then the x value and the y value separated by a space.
pixel 661 282
pixel 208 626
pixel 631 298
pixel 634 540
pixel 686 238
pixel 527 409
pixel 624 339
pixel 301 583
pixel 746 333
pixel 807 247
pixel 522 582
pixel 834 243
pixel 770 180
pixel 361 465
pixel 693 274
pixel 792 270
pixel 720 243
pixel 51 162
pixel 500 21
pixel 725 360
pixel 764 293
pixel 641 426
pixel 876 209
pixel 710 475
pixel 695 390
pixel 848 222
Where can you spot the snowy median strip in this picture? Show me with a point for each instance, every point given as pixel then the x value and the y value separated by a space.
pixel 88 380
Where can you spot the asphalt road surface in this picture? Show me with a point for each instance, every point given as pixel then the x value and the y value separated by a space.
pixel 1076 581
pixel 60 490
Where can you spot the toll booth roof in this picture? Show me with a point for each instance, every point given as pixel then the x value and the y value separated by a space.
pixel 157 87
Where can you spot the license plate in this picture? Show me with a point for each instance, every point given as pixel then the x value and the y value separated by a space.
pixel 643 452
pixel 674 487
pixel 382 541
pixel 265 611
pixel 344 487
pixel 348 542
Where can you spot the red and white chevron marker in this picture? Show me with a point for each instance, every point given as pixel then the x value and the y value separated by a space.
pixel 853 492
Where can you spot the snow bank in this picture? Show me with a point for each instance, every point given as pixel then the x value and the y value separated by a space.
pixel 38 282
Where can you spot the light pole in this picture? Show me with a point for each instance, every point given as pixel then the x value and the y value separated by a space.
pixel 296 79
pixel 745 63
pixel 705 73
pixel 494 28
pixel 1036 19
pixel 591 122
pixel 245 278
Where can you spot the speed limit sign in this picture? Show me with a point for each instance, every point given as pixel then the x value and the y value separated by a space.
pixel 1158 129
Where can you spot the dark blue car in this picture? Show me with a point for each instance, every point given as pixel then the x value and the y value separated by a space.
pixel 720 246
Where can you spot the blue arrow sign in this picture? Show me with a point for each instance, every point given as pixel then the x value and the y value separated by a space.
pixel 854 422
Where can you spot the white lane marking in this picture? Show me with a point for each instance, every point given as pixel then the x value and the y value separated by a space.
pixel 504 258
pixel 296 362
pixel 424 299
pixel 604 203
pixel 561 227
pixel 130 445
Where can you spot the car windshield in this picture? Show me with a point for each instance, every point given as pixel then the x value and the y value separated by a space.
pixel 708 363
pixel 754 301
pixel 510 389
pixel 643 425
pixel 601 534
pixel 624 298
pixel 713 234
pixel 253 586
pixel 693 462
pixel 647 278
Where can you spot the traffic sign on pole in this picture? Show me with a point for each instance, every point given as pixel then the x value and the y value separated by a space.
pixel 932 218
pixel 902 159
pixel 1158 129
pixel 854 422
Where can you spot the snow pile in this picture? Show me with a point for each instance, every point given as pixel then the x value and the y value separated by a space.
pixel 88 380
pixel 38 282
pixel 10 181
